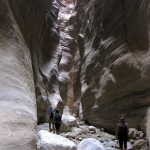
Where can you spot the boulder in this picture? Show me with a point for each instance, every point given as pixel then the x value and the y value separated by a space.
pixel 65 128
pixel 78 131
pixel 68 121
pixel 132 141
pixel 92 129
pixel 50 141
pixel 84 128
pixel 72 135
pixel 139 144
pixel 132 133
pixel 138 133
pixel 142 135
pixel 90 144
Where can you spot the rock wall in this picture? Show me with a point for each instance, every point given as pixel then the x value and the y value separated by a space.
pixel 68 46
pixel 29 58
pixel 109 74
pixel 113 38
pixel 38 23
pixel 17 92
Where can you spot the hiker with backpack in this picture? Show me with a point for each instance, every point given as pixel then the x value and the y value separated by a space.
pixel 122 133
pixel 57 120
pixel 51 112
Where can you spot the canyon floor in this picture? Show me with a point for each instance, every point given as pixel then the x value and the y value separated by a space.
pixel 84 131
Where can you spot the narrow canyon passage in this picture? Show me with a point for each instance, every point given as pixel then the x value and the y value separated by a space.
pixel 88 58
pixel 68 46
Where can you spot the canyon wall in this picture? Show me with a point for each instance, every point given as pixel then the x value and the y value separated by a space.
pixel 68 46
pixel 38 24
pixel 17 91
pixel 109 76
pixel 113 39
pixel 29 58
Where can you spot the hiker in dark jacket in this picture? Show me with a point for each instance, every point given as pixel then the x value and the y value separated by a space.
pixel 122 133
pixel 57 120
pixel 51 112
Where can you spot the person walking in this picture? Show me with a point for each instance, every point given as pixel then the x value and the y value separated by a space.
pixel 51 112
pixel 57 120
pixel 122 133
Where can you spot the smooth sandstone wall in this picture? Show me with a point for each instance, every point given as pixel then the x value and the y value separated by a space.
pixel 29 58
pixel 38 23
pixel 113 38
pixel 17 92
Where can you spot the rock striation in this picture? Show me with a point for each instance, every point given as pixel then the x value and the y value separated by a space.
pixel 41 66
pixel 41 34
pixel 113 39
pixel 29 58
pixel 68 46
pixel 17 92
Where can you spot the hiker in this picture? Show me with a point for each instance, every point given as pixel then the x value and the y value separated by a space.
pixel 57 120
pixel 122 133
pixel 51 112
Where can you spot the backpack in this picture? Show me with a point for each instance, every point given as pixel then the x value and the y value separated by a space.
pixel 51 113
pixel 123 129
pixel 57 117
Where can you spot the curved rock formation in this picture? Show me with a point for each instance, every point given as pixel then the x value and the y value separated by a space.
pixel 17 92
pixel 29 58
pixel 115 61
pixel 109 74
pixel 67 21
pixel 38 24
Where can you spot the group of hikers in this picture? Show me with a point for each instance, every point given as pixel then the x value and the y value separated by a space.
pixel 54 120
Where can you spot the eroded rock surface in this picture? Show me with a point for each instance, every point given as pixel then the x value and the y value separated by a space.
pixel 17 91
pixel 29 58
pixel 111 67
pixel 39 26
pixel 67 21
pixel 115 61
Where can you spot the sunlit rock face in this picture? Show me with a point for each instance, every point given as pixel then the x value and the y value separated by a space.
pixel 115 61
pixel 17 94
pixel 39 26
pixel 67 22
